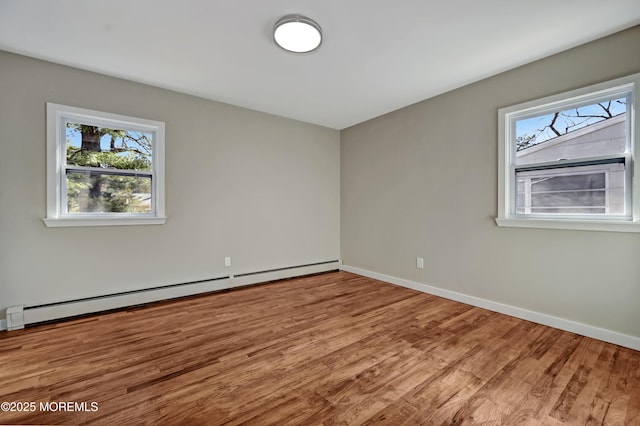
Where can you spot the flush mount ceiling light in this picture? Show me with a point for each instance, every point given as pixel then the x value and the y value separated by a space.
pixel 297 34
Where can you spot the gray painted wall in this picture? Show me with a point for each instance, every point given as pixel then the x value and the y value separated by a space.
pixel 271 192
pixel 422 181
pixel 259 188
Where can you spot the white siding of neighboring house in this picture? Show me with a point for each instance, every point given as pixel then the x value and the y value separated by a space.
pixel 603 138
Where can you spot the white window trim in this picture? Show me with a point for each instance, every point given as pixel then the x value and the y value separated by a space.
pixel 57 116
pixel 506 174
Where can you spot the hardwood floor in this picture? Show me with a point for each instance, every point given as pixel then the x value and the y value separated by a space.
pixel 329 349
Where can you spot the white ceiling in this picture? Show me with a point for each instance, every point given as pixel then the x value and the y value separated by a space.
pixel 377 55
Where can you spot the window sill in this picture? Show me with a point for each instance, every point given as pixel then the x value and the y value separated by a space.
pixel 577 225
pixel 73 222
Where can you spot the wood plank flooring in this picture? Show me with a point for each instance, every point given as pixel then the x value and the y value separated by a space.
pixel 332 349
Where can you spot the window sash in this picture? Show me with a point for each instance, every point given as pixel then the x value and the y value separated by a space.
pixel 106 123
pixel 104 171
pixel 525 198
pixel 579 167
pixel 562 164
pixel 109 172
pixel 625 90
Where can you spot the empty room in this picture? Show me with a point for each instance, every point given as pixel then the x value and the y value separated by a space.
pixel 320 213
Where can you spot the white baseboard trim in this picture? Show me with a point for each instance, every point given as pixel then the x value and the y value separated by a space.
pixel 609 336
pixel 56 311
pixel 3 325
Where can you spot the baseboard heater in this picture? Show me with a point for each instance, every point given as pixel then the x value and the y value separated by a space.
pixel 19 316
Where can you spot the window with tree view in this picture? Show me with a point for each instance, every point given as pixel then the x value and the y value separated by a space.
pixel 569 157
pixel 103 168
pixel 108 170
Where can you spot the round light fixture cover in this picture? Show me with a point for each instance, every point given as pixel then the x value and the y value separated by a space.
pixel 297 34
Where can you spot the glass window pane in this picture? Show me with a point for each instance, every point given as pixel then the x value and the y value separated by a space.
pixel 569 182
pixel 94 146
pixel 569 199
pixel 580 210
pixel 585 131
pixel 590 189
pixel 95 192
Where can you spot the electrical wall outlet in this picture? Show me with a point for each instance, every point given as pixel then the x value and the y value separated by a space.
pixel 420 263
pixel 227 261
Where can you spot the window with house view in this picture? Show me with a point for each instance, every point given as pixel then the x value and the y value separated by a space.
pixel 569 157
pixel 572 162
pixel 103 169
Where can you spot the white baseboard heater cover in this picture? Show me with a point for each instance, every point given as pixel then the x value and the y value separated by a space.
pixel 71 308
pixel 15 317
